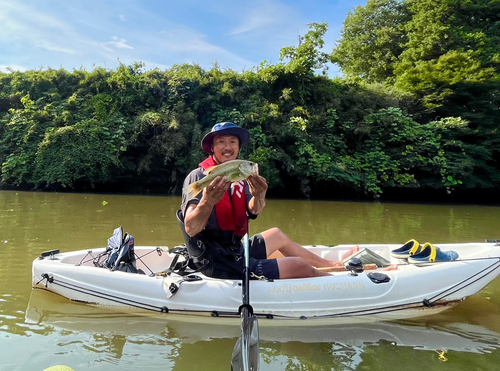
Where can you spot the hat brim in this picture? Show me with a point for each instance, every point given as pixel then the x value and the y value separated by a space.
pixel 242 134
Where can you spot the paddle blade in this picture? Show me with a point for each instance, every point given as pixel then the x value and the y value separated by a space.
pixel 246 355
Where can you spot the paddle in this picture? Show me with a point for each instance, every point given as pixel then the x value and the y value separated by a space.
pixel 246 349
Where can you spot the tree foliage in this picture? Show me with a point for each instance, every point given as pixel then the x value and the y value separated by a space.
pixel 382 128
pixel 434 49
pixel 372 39
pixel 444 54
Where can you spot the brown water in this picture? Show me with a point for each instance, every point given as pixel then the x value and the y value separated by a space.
pixel 49 330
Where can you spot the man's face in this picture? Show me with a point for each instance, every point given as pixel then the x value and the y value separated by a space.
pixel 225 148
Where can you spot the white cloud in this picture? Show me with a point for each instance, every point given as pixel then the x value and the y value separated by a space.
pixel 12 67
pixel 27 26
pixel 163 37
pixel 188 46
pixel 45 44
pixel 262 16
pixel 266 26
pixel 117 42
pixel 237 35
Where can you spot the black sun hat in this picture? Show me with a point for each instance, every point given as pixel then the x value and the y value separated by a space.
pixel 224 128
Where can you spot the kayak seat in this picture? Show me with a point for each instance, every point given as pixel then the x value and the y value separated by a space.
pixel 208 256
pixel 120 253
pixel 410 248
pixel 432 254
pixel 196 248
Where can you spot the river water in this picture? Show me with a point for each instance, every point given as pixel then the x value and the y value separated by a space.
pixel 39 329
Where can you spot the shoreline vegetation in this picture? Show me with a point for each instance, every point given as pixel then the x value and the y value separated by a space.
pixel 414 117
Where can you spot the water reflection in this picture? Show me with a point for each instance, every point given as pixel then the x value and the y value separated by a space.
pixel 111 335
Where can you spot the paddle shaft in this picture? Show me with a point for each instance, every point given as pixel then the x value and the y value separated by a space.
pixel 246 278
pixel 249 359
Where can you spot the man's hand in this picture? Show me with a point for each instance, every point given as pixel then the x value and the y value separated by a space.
pixel 258 186
pixel 215 190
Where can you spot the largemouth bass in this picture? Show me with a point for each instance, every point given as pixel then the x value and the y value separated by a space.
pixel 234 170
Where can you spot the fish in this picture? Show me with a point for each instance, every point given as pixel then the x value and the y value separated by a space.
pixel 234 170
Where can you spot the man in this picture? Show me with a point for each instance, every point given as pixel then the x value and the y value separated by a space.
pixel 218 212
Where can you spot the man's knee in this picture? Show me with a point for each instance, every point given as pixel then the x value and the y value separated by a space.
pixel 274 232
pixel 274 235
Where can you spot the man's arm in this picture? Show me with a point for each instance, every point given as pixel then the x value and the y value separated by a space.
pixel 196 216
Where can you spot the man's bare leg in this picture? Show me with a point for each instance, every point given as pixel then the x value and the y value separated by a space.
pixel 276 241
pixel 296 267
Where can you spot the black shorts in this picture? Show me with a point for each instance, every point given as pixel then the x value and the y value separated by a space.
pixel 259 265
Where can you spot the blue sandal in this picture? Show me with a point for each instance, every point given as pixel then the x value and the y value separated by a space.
pixel 410 248
pixel 431 254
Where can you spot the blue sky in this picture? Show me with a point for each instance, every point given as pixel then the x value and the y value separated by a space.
pixel 237 34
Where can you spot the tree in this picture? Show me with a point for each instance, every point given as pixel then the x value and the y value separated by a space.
pixel 443 53
pixel 451 44
pixel 307 56
pixel 371 40
pixel 433 49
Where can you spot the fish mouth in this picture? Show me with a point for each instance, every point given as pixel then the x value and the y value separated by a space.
pixel 255 169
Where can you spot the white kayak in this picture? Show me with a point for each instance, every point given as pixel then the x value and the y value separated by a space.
pixel 411 290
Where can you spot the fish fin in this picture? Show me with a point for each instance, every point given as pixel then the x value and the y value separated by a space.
pixel 192 190
pixel 209 170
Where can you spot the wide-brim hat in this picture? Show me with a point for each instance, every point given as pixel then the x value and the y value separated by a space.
pixel 224 128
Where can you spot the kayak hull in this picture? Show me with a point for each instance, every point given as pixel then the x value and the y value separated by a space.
pixel 411 291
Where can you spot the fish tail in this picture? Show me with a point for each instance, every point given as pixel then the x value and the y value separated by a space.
pixel 192 190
